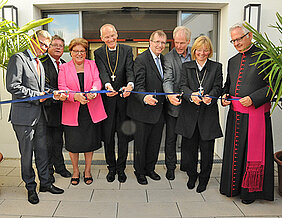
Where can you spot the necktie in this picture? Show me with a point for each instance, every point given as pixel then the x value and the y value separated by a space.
pixel 58 64
pixel 159 66
pixel 37 67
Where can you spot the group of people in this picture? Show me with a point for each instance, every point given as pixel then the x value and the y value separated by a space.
pixel 194 83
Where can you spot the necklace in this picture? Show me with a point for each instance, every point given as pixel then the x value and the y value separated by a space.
pixel 113 76
pixel 200 81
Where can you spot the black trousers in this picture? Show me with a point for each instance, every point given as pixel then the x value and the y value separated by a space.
pixel 170 143
pixel 147 141
pixel 189 156
pixel 111 126
pixel 55 145
pixel 33 139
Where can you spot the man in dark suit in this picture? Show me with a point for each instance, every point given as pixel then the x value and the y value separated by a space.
pixel 51 63
pixel 26 78
pixel 173 61
pixel 115 64
pixel 147 110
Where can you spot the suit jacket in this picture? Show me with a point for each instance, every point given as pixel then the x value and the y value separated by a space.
pixel 172 73
pixel 22 81
pixel 206 116
pixel 52 107
pixel 147 79
pixel 124 75
pixel 68 80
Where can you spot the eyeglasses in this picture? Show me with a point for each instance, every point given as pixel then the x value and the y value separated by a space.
pixel 57 45
pixel 158 42
pixel 239 39
pixel 77 52
pixel 43 44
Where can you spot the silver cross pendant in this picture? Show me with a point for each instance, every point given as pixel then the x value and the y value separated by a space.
pixel 113 77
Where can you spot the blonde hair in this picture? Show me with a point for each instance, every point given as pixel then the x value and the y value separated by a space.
pixel 42 33
pixel 78 41
pixel 199 42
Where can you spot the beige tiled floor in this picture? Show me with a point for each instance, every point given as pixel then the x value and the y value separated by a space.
pixel 102 199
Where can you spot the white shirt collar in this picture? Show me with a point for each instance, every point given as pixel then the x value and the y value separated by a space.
pixel 53 59
pixel 154 55
pixel 112 49
pixel 199 66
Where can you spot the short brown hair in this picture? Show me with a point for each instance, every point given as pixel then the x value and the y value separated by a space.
pixel 78 41
pixel 160 33
pixel 58 38
pixel 200 41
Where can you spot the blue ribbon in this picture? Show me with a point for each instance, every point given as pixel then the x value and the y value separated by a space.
pixel 102 92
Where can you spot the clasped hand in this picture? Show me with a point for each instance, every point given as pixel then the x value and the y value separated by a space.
pixel 80 97
pixel 150 100
pixel 174 99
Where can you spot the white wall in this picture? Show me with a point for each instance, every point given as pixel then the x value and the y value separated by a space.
pixel 231 11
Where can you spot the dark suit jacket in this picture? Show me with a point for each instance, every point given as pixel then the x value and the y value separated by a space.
pixel 147 79
pixel 124 74
pixel 53 108
pixel 206 116
pixel 22 81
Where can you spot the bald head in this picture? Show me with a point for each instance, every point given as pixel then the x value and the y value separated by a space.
pixel 108 34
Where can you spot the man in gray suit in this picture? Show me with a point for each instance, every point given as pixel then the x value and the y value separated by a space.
pixel 172 70
pixel 26 78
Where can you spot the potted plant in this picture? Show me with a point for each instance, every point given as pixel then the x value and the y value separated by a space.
pixel 14 39
pixel 274 75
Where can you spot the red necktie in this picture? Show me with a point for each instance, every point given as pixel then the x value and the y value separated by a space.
pixel 37 67
pixel 58 64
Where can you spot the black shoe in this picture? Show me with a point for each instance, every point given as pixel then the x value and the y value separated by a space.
pixel 201 188
pixel 33 197
pixel 52 189
pixel 141 179
pixel 64 173
pixel 153 175
pixel 191 182
pixel 247 201
pixel 111 176
pixel 51 178
pixel 121 177
pixel 170 175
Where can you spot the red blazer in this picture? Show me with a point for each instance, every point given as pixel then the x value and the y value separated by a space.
pixel 68 80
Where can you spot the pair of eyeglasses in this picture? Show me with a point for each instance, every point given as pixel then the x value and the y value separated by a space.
pixel 57 45
pixel 239 39
pixel 43 44
pixel 77 52
pixel 159 42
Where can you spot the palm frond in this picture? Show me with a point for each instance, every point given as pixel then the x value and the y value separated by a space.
pixel 269 58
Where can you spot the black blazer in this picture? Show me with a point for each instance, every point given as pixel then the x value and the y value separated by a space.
pixel 52 107
pixel 206 116
pixel 124 75
pixel 147 79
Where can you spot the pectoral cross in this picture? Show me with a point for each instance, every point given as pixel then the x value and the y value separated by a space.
pixel 201 90
pixel 113 77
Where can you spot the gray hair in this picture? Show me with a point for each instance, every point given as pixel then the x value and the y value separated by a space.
pixel 107 25
pixel 238 25
pixel 183 29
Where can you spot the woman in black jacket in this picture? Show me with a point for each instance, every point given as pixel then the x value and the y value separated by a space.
pixel 198 120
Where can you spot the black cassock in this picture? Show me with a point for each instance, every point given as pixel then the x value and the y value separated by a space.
pixel 244 80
